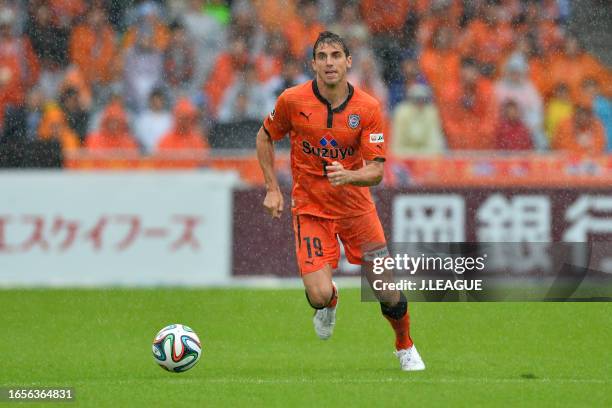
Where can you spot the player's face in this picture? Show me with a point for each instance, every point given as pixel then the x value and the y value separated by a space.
pixel 331 64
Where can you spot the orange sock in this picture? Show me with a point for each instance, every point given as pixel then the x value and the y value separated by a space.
pixel 401 327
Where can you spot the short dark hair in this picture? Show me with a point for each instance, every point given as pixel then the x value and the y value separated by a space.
pixel 158 92
pixel 69 92
pixel 469 62
pixel 176 25
pixel 510 102
pixel 327 37
pixel 584 109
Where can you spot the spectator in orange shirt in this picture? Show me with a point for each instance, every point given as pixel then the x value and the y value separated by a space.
pixel 19 68
pixel 273 14
pixel 386 20
pixel 574 65
pixel 468 110
pixel 186 134
pixel 93 48
pixel 53 126
pixel 114 131
pixel 546 34
pixel 488 40
pixel 301 34
pixel 551 10
pixel 66 11
pixel 385 17
pixel 440 62
pixel 223 73
pixel 580 134
pixel 440 13
pixel 270 62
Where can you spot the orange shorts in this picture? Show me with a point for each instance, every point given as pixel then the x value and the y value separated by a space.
pixel 316 239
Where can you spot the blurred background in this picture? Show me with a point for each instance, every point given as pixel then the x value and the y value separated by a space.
pixel 507 95
pixel 194 78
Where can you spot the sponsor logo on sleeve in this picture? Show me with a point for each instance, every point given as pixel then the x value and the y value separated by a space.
pixel 272 114
pixel 376 138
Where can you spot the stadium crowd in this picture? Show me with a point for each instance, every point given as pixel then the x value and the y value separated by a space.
pixel 156 75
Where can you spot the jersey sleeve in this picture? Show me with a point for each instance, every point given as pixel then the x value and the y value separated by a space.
pixel 278 123
pixel 373 138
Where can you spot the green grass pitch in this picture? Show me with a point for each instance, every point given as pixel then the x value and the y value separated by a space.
pixel 259 349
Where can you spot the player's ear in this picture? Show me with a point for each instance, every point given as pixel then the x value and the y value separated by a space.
pixel 349 61
pixel 313 65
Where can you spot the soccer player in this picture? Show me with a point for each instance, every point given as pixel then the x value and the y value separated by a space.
pixel 337 152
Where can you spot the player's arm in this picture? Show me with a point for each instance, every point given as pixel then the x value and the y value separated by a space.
pixel 275 127
pixel 265 155
pixel 369 175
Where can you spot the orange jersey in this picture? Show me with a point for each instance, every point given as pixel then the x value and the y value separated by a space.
pixel 320 135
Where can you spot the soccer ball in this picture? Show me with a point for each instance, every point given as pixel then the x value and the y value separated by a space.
pixel 176 348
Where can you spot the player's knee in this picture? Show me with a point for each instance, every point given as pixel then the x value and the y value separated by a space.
pixel 319 296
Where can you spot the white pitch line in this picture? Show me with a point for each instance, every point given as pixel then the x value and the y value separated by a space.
pixel 410 378
pixel 406 380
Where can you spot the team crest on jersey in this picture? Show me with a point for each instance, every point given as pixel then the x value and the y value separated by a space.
pixel 353 120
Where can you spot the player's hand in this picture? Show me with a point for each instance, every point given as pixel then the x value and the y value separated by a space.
pixel 338 175
pixel 273 203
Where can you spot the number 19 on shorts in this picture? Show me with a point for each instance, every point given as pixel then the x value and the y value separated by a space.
pixel 313 244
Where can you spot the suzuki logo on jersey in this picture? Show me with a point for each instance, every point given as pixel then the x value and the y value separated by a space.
pixel 330 148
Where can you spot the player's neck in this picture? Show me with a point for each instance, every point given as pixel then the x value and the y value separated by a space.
pixel 334 94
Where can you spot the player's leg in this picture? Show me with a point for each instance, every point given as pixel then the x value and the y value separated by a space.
pixel 322 296
pixel 317 254
pixel 364 240
pixel 320 289
pixel 394 307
